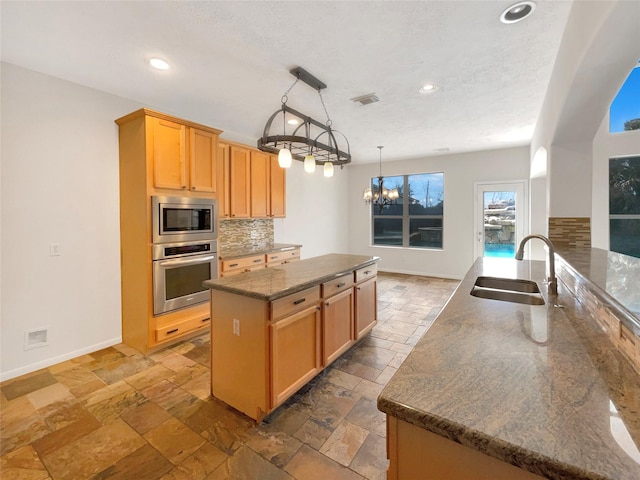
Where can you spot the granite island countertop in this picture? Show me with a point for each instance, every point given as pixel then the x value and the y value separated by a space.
pixel 276 282
pixel 250 250
pixel 539 387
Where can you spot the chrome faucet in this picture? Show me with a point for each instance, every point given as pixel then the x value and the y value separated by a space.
pixel 553 281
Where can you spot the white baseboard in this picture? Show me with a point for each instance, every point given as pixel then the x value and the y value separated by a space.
pixel 60 358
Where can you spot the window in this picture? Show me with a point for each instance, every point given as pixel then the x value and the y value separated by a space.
pixel 416 219
pixel 624 205
pixel 624 113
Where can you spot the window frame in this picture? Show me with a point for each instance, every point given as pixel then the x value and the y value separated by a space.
pixel 406 217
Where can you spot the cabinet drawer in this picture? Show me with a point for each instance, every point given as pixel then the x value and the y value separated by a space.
pixel 366 272
pixel 294 302
pixel 180 328
pixel 283 257
pixel 338 284
pixel 242 263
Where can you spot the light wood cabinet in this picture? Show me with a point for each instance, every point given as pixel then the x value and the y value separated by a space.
pixel 295 352
pixel 223 179
pixel 276 347
pixel 414 452
pixel 235 266
pixel 158 155
pixel 365 307
pixel 250 183
pixel 184 157
pixel 260 185
pixel 283 257
pixel 239 182
pixel 337 322
pixel 278 189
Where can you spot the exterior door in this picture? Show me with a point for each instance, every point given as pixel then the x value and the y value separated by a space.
pixel 500 218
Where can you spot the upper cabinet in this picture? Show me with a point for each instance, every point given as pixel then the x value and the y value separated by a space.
pixel 252 184
pixel 184 158
pixel 179 154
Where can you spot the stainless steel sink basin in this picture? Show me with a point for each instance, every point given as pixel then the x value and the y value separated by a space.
pixel 508 290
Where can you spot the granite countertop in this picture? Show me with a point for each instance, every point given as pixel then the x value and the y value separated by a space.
pixel 249 250
pixel 617 277
pixel 276 282
pixel 540 387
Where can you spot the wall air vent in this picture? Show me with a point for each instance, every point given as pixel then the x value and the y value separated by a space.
pixel 366 99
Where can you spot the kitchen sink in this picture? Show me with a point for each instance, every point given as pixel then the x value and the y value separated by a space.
pixel 508 290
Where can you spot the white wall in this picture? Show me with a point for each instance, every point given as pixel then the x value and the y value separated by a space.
pixel 461 172
pixel 606 146
pixel 59 184
pixel 316 211
pixel 601 44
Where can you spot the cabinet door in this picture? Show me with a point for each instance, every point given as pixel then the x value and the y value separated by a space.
pixel 278 188
pixel 295 352
pixel 337 325
pixel 260 184
pixel 366 308
pixel 239 182
pixel 203 148
pixel 169 155
pixel 222 177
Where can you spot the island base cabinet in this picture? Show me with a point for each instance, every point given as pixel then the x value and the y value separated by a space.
pixel 338 332
pixel 366 308
pixel 417 453
pixel 295 353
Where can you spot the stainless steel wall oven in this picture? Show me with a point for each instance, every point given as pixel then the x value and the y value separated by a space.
pixel 179 269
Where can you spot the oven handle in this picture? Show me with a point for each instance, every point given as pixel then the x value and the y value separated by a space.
pixel 168 263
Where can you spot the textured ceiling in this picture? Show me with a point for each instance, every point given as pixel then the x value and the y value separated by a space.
pixel 230 64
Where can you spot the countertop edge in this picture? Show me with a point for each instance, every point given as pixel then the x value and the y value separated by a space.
pixel 277 247
pixel 283 293
pixel 499 449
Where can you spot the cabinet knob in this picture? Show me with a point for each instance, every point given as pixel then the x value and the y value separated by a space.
pixel 326 303
pixel 184 187
pixel 193 188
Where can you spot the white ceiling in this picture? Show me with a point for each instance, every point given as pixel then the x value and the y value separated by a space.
pixel 230 63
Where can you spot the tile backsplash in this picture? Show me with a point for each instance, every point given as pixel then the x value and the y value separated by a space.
pixel 245 233
pixel 570 231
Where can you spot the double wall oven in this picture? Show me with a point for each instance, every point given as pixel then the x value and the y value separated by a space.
pixel 184 251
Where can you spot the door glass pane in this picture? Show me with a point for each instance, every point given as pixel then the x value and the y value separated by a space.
pixel 499 224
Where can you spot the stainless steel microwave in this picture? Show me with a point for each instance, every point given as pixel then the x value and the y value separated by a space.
pixel 183 219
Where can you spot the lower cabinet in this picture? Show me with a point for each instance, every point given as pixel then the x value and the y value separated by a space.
pixel 295 352
pixel 337 313
pixel 365 307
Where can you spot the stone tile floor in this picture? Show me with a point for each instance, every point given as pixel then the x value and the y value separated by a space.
pixel 118 414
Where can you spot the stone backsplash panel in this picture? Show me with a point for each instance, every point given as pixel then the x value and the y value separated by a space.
pixel 570 231
pixel 235 234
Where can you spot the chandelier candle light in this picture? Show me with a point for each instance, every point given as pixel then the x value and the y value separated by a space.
pixel 380 196
pixel 310 141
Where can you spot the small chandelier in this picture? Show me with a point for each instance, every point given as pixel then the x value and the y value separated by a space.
pixel 309 141
pixel 380 196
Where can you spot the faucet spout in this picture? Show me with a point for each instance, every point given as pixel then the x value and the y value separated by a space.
pixel 553 281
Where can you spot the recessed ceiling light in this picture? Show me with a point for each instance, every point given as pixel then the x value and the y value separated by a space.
pixel 427 88
pixel 517 12
pixel 158 63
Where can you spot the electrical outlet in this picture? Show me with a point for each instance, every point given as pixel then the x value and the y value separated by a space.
pixel 236 327
pixel 54 249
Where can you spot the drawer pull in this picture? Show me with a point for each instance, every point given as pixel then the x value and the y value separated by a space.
pixel 257 260
pixel 367 272
pixel 340 285
pixel 172 331
pixel 274 257
pixel 205 320
pixel 233 265
pixel 299 301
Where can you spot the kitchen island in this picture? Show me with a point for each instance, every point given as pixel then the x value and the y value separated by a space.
pixel 502 390
pixel 274 329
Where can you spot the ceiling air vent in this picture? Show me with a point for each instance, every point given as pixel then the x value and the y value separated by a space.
pixel 366 99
